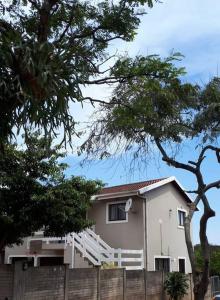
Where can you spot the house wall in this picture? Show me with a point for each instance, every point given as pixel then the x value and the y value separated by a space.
pixel 129 235
pixel 52 250
pixel 35 248
pixel 162 204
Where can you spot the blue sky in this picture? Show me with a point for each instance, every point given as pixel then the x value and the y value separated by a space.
pixel 189 27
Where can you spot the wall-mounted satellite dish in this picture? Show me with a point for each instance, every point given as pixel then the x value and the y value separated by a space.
pixel 128 205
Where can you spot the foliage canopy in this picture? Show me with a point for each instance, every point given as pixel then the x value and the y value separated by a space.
pixel 35 194
pixel 49 50
pixel 214 259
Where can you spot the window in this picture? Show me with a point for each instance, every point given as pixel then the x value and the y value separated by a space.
pixel 181 217
pixel 162 264
pixel 116 212
pixel 182 268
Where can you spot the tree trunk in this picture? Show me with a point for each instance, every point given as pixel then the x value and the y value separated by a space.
pixel 200 282
pixel 3 243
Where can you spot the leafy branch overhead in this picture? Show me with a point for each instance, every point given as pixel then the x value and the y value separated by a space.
pixel 49 50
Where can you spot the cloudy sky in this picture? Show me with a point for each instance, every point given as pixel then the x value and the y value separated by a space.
pixel 189 27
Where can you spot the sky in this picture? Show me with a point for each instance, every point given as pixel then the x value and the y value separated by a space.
pixel 189 27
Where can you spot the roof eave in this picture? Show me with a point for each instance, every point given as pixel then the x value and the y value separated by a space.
pixel 115 195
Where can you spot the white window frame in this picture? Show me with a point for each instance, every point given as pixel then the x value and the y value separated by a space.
pixel 181 257
pixel 107 213
pixel 162 256
pixel 183 210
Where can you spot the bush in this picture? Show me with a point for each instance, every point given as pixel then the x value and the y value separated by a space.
pixel 176 285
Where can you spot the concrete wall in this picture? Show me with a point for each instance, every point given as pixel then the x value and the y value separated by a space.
pixel 169 240
pixel 129 235
pixel 61 283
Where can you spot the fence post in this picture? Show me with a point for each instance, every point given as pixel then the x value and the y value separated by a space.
pixel 66 282
pixel 145 284
pixel 98 283
pixel 124 284
pixel 19 281
pixel 162 286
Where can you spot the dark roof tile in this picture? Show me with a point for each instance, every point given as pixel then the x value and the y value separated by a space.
pixel 128 187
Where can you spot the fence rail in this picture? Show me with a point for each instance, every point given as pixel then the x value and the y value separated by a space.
pixel 92 248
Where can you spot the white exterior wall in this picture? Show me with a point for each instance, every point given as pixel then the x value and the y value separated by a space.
pixel 161 207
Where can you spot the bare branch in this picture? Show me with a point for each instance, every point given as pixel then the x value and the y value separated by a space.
pixel 172 161
pixel 192 192
pixel 215 184
pixel 206 148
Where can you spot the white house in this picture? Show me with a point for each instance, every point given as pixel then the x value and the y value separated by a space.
pixel 138 225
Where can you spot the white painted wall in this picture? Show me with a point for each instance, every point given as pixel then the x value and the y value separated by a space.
pixel 162 205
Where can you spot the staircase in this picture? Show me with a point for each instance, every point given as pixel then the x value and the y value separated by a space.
pixel 91 247
pixel 98 252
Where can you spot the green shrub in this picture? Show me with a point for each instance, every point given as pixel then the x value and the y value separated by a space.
pixel 176 285
pixel 110 265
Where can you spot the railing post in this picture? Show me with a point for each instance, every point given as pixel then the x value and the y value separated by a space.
pixel 28 243
pixel 99 249
pixel 83 244
pixel 35 261
pixel 142 259
pixel 119 257
pixel 72 251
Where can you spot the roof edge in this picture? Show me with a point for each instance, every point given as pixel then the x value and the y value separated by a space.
pixel 112 195
pixel 163 182
pixel 143 190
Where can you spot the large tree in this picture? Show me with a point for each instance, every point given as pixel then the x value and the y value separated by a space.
pixel 49 50
pixel 160 109
pixel 35 194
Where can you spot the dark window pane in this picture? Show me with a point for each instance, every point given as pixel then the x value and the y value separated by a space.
pixel 121 211
pixel 182 265
pixel 162 264
pixel 181 217
pixel 117 212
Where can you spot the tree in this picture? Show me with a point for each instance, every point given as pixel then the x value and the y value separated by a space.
pixel 35 194
pixel 214 259
pixel 161 110
pixel 176 285
pixel 49 50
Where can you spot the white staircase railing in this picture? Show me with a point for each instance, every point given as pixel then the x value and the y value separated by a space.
pixel 95 250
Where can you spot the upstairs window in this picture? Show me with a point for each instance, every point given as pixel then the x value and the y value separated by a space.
pixel 116 212
pixel 181 217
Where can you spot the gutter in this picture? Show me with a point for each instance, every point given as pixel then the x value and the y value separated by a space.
pixel 115 195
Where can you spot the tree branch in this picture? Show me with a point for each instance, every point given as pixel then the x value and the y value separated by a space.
pixel 208 147
pixel 215 184
pixel 172 161
pixel 44 25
